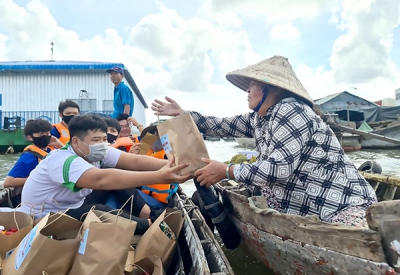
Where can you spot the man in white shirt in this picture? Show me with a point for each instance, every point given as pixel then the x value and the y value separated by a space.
pixel 66 176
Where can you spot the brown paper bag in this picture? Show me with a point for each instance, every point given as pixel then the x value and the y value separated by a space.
pixel 181 139
pixel 146 142
pixel 39 252
pixel 150 265
pixel 156 242
pixel 130 260
pixel 23 222
pixel 105 244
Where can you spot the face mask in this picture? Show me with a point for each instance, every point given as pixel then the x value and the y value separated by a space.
pixel 111 138
pixel 157 146
pixel 97 151
pixel 66 119
pixel 42 141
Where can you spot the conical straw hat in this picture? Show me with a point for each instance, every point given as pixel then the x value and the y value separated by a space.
pixel 275 71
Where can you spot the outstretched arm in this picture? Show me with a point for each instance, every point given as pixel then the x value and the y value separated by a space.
pixel 134 162
pixel 114 179
pixel 237 126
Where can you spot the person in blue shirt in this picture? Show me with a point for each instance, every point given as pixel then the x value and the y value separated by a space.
pixel 37 131
pixel 123 97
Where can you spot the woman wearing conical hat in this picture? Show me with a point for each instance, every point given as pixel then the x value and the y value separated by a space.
pixel 301 168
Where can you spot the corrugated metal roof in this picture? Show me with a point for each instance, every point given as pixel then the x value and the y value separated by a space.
pixel 51 65
pixel 330 97
pixel 57 65
pixel 325 99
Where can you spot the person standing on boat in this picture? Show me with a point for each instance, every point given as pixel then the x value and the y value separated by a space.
pixel 301 168
pixel 123 97
pixel 66 110
pixel 38 132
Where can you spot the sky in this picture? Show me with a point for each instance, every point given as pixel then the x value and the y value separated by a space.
pixel 184 49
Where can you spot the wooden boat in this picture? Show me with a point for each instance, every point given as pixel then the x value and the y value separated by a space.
pixel 349 142
pixel 291 244
pixel 199 252
pixel 391 130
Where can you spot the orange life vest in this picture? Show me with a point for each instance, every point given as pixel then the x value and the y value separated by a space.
pixel 160 191
pixel 159 154
pixel 64 132
pixel 124 142
pixel 36 151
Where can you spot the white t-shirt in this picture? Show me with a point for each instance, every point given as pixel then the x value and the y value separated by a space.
pixel 45 182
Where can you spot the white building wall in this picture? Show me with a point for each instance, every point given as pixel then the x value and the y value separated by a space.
pixel 43 90
pixel 388 102
pixel 397 94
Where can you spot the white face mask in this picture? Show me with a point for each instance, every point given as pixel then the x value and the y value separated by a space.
pixel 97 151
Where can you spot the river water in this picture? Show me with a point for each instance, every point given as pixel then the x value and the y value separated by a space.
pixel 241 259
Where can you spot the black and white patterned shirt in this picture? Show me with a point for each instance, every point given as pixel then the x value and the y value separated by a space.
pixel 301 163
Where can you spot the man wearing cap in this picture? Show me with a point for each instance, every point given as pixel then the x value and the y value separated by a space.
pixel 123 97
pixel 301 168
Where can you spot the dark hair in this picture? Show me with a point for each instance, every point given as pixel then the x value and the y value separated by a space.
pixel 122 117
pixel 150 129
pixel 112 122
pixel 80 125
pixel 36 126
pixel 66 104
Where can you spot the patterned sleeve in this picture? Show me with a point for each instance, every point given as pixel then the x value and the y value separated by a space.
pixel 236 126
pixel 290 131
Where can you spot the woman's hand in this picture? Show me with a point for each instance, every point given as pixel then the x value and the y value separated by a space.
pixel 170 108
pixel 168 174
pixel 214 172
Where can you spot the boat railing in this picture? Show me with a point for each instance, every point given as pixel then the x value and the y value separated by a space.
pixel 11 120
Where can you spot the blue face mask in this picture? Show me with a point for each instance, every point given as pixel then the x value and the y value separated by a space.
pixel 157 146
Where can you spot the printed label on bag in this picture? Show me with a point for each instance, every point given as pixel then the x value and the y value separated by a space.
pixel 9 253
pixel 165 143
pixel 24 248
pixel 82 246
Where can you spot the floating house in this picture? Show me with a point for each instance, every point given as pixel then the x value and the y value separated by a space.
pixel 33 89
pixel 343 101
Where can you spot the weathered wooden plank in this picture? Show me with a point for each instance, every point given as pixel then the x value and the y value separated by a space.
pixel 378 211
pixel 200 265
pixel 389 231
pixel 392 180
pixel 352 241
pixel 216 259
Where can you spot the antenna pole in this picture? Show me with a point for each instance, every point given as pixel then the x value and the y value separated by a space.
pixel 52 50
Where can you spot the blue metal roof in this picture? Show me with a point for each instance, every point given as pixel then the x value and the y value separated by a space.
pixel 56 65
pixel 52 65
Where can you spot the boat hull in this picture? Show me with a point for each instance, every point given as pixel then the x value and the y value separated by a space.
pixel 350 143
pixel 14 138
pixel 290 244
pixel 390 131
pixel 288 257
pixel 246 142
